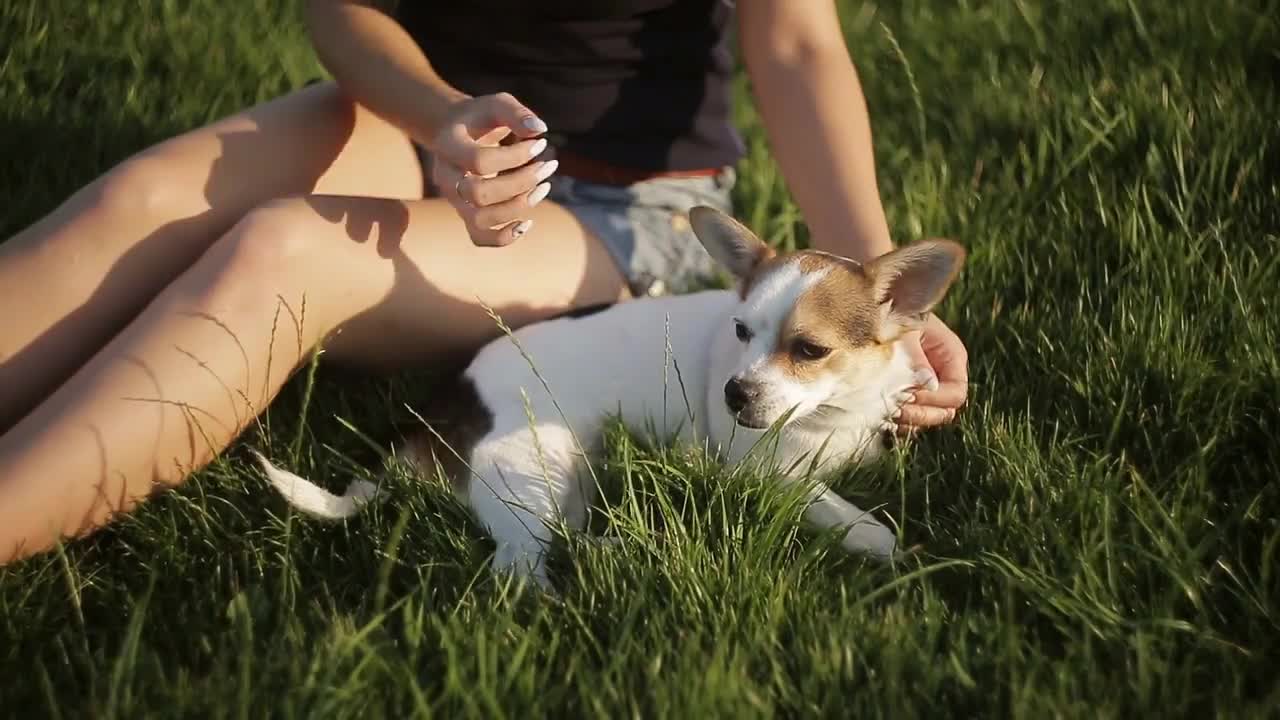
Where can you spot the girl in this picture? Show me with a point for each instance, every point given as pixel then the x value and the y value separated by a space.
pixel 535 157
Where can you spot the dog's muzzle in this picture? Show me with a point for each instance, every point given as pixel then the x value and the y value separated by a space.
pixel 740 397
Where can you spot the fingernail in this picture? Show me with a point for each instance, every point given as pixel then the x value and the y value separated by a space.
pixel 534 124
pixel 896 414
pixel 538 147
pixel 537 194
pixel 545 170
pixel 911 397
pixel 521 228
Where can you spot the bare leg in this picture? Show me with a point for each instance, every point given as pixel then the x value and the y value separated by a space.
pixel 74 279
pixel 391 282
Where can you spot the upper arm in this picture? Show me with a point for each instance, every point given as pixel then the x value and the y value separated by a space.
pixel 788 31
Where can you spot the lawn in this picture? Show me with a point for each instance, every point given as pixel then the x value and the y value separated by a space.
pixel 1099 533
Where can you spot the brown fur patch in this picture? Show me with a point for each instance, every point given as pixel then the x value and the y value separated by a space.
pixel 459 420
pixel 839 313
pixel 769 261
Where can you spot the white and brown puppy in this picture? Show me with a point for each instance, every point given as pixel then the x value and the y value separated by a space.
pixel 808 343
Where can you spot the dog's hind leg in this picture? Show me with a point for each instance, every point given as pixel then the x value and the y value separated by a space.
pixel 519 513
pixel 520 498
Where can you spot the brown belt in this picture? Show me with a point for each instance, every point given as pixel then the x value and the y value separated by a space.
pixel 583 168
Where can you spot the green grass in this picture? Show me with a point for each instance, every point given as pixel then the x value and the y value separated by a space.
pixel 1100 531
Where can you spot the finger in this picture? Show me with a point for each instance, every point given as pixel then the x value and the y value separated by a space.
pixel 496 137
pixel 502 110
pixel 951 368
pixel 500 237
pixel 906 432
pixel 923 416
pixel 947 354
pixel 913 343
pixel 949 395
pixel 449 178
pixel 483 192
pixel 918 360
pixel 517 208
pixel 898 432
pixel 455 147
pixel 490 160
pixel 446 178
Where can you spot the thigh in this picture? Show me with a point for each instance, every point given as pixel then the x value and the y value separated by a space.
pixel 395 283
pixel 312 140
pixel 160 208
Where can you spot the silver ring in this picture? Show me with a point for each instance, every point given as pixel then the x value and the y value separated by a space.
pixel 457 188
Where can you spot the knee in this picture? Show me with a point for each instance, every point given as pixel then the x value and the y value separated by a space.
pixel 139 188
pixel 262 262
pixel 271 238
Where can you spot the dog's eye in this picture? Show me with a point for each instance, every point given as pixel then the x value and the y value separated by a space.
pixel 810 351
pixel 741 330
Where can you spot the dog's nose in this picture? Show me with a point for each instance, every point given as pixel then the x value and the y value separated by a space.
pixel 738 394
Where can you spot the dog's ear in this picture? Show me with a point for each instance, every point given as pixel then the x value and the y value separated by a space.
pixel 910 281
pixel 729 242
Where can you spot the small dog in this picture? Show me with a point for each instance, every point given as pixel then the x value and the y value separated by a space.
pixel 806 347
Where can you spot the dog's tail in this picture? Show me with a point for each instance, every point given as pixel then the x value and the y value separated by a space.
pixel 313 499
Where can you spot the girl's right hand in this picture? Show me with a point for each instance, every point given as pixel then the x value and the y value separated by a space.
pixel 491 186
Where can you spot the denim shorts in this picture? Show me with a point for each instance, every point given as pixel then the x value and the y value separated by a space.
pixel 645 226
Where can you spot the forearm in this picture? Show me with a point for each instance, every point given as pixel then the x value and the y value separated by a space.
pixel 378 65
pixel 817 124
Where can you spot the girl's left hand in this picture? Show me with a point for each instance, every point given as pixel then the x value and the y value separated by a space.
pixel 941 350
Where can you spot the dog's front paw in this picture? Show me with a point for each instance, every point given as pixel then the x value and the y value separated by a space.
pixel 921 379
pixel 924 379
pixel 872 539
pixel 524 565
pixel 905 553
